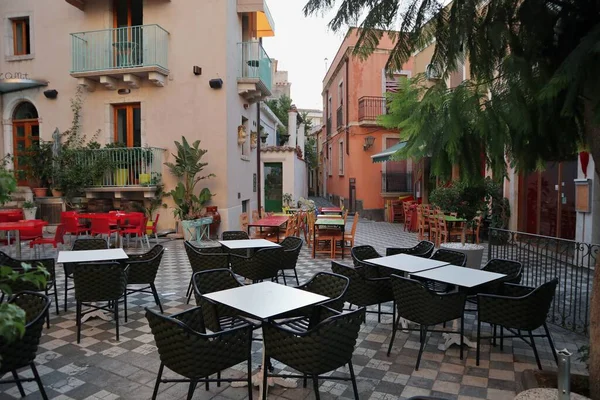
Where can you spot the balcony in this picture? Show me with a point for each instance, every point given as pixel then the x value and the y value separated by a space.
pixel 369 108
pixel 128 169
pixel 128 54
pixel 254 72
pixel 340 117
pixel 396 182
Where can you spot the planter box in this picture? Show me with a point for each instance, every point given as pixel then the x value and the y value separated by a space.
pixel 474 252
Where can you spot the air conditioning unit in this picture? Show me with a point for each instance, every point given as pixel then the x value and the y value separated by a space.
pixel 432 72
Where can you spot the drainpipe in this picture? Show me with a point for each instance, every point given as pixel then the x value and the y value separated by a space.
pixel 258 141
pixel 347 108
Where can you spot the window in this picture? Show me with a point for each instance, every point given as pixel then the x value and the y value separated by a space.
pixel 341 158
pixel 128 125
pixel 341 93
pixel 330 164
pixel 245 206
pixel 393 83
pixel 21 39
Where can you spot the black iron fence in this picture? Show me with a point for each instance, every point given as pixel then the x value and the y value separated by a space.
pixel 545 258
pixel 371 107
pixel 396 182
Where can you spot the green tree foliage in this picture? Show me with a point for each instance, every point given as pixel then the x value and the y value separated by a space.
pixel 280 108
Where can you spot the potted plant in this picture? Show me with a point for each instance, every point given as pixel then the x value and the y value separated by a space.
pixel 37 166
pixel 121 161
pixel 263 135
pixel 29 210
pixel 467 199
pixel 152 205
pixel 283 135
pixel 187 168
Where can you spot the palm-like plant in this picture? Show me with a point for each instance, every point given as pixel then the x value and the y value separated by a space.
pixel 187 167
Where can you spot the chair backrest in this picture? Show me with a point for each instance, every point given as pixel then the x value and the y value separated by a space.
pixel 156 221
pixel 264 264
pixel 422 249
pixel 234 235
pixel 143 268
pixel 89 244
pixel 136 219
pixel 244 222
pixel 290 228
pixel 292 246
pixel 330 285
pixel 33 232
pixel 70 223
pixel 450 256
pixel 59 234
pixel 100 225
pixel 361 253
pixel 22 352
pixel 354 225
pixel 20 285
pixel 202 261
pixel 99 281
pixel 513 269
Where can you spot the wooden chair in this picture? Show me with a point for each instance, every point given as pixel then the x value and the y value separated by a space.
pixel 324 239
pixel 442 230
pixel 407 214
pixel 244 222
pixel 433 226
pixel 255 215
pixel 478 219
pixel 398 212
pixel 423 225
pixel 290 230
pixel 348 239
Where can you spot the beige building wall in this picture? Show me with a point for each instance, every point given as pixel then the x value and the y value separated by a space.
pixel 185 106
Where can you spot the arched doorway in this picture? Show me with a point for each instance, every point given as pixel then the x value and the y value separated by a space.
pixel 26 130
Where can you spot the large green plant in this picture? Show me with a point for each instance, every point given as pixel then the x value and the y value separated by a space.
pixel 187 168
pixel 8 183
pixel 36 163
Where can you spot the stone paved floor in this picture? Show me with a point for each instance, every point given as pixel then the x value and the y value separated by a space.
pixel 101 368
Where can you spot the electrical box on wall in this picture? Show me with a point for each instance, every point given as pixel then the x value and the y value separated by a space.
pixel 583 195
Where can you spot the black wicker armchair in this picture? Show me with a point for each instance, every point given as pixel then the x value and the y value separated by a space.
pixel 360 254
pixel 451 257
pixel 21 353
pixel 325 347
pixel 216 316
pixel 427 308
pixel 20 286
pixel 363 291
pixel 422 249
pixel 263 264
pixel 99 282
pixel 291 251
pixel 234 235
pixel 204 259
pixel 142 271
pixel 186 349
pixel 80 244
pixel 521 308
pixel 512 269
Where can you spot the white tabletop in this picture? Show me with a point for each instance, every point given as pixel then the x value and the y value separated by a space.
pixel 266 299
pixel 460 276
pixel 407 263
pixel 248 244
pixel 91 255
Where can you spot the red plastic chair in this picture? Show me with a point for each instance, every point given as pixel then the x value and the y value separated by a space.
pixel 59 237
pixel 153 227
pixel 71 223
pixel 101 226
pixel 137 228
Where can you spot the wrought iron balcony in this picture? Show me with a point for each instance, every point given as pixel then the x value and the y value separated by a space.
pixel 369 108
pixel 254 71
pixel 121 53
pixel 396 182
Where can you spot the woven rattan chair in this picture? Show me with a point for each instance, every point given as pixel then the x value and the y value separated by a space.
pixel 186 349
pixel 326 284
pixel 80 244
pixel 416 303
pixel 263 264
pixel 142 271
pixel 521 308
pixel 292 246
pixel 363 291
pixel 216 316
pixel 20 286
pixel 325 347
pixel 99 282
pixel 234 235
pixel 422 249
pixel 451 257
pixel 204 259
pixel 21 353
pixel 512 269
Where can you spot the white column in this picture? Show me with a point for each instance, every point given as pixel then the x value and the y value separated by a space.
pixel 8 141
pixel 292 126
pixel 301 135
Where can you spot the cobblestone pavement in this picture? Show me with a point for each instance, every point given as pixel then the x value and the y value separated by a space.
pixel 102 368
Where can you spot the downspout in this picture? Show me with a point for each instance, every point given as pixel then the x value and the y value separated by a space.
pixel 347 108
pixel 258 140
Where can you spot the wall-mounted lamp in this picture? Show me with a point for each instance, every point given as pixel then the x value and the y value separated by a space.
pixel 51 94
pixel 216 83
pixel 123 92
pixel 197 70
pixel 369 140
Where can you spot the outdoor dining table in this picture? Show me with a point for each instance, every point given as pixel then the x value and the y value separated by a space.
pixel 19 226
pixel 331 210
pixel 91 256
pixel 269 222
pixel 265 301
pixel 248 244
pixel 463 278
pixel 333 222
pixel 329 216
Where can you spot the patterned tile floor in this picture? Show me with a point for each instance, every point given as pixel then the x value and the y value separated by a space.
pixel 102 368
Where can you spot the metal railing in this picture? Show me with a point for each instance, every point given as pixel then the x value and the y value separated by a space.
pixel 340 117
pixel 545 258
pixel 328 126
pixel 254 62
pixel 124 166
pixel 371 107
pixel 118 48
pixel 396 182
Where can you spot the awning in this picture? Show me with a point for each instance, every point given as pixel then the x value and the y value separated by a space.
pixel 262 20
pixel 14 85
pixel 387 153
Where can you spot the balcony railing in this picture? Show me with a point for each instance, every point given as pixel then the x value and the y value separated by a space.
pixel 340 117
pixel 328 125
pixel 254 63
pixel 396 182
pixel 119 48
pixel 371 107
pixel 125 166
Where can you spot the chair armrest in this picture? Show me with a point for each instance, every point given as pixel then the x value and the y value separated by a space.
pixel 514 290
pixel 193 318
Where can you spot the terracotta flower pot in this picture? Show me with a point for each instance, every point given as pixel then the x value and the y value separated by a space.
pixel 40 192
pixel 56 193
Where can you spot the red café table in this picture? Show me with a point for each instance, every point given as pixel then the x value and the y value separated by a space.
pixel 19 226
pixel 269 222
